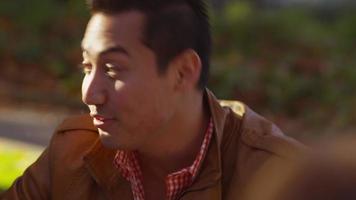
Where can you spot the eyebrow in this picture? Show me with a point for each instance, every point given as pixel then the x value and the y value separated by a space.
pixel 113 49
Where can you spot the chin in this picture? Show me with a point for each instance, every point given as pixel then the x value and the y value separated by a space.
pixel 110 142
pixel 107 140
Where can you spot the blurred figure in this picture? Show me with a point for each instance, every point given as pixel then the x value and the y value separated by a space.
pixel 328 173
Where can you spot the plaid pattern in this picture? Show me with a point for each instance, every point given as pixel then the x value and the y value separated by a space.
pixel 128 165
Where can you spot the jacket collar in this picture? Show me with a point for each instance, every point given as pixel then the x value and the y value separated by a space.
pixel 99 160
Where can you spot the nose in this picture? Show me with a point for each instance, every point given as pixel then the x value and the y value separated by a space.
pixel 93 89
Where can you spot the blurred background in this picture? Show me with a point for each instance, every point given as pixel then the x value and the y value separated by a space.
pixel 293 61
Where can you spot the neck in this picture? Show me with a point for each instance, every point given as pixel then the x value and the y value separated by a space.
pixel 180 142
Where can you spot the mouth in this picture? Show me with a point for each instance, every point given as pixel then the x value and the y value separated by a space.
pixel 100 121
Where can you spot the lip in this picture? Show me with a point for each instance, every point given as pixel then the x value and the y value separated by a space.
pixel 101 121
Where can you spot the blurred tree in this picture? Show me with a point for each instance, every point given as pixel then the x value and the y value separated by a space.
pixel 218 5
pixel 284 60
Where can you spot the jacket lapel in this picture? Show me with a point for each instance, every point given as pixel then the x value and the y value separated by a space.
pixel 208 181
pixel 99 162
pixel 218 114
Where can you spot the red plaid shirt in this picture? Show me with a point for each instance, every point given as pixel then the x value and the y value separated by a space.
pixel 127 163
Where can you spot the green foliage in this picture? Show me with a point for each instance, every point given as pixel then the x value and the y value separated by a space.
pixel 283 60
pixel 41 37
pixel 291 61
pixel 14 161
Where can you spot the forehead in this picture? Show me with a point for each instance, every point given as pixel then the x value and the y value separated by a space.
pixel 104 31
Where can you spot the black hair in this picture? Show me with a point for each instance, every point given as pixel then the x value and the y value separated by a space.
pixel 171 27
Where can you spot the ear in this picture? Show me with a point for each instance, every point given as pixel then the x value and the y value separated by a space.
pixel 188 69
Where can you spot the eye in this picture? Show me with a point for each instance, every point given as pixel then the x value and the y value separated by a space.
pixel 86 68
pixel 112 70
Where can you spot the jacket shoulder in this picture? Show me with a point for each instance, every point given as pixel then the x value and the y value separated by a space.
pixel 75 132
pixel 72 140
pixel 260 133
pixel 236 106
pixel 256 132
pixel 77 122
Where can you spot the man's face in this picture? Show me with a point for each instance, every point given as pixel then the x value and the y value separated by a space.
pixel 129 101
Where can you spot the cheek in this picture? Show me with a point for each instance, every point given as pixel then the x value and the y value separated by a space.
pixel 158 107
pixel 137 107
pixel 120 92
pixel 141 102
pixel 124 101
pixel 119 86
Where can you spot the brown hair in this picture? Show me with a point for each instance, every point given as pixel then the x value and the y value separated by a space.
pixel 171 27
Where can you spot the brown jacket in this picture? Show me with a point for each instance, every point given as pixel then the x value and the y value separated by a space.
pixel 76 166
